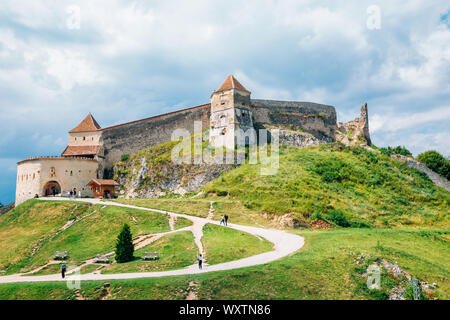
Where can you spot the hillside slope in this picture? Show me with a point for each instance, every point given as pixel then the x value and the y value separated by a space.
pixel 348 187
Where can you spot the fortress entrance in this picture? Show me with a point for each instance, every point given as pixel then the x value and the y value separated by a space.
pixel 52 188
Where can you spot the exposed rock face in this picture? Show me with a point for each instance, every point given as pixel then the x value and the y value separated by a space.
pixel 435 177
pixel 355 132
pixel 150 180
pixel 6 208
pixel 299 139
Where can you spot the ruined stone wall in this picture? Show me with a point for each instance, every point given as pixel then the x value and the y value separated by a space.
pixel 435 177
pixel 316 119
pixel 355 132
pixel 131 137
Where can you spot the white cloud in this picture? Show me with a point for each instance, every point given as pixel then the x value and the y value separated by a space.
pixel 435 68
pixel 139 58
pixel 399 121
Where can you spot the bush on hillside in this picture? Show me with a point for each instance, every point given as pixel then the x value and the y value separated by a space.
pixel 400 150
pixel 436 162
pixel 124 245
pixel 338 218
pixel 331 170
pixel 125 157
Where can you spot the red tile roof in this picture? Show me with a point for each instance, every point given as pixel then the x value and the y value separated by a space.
pixel 87 125
pixel 80 151
pixel 231 83
pixel 104 182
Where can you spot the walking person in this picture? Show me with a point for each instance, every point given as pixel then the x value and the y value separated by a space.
pixel 63 270
pixel 74 193
pixel 222 220
pixel 200 261
pixel 70 194
pixel 226 220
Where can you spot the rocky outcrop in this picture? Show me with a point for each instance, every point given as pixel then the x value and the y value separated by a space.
pixel 6 208
pixel 355 132
pixel 299 139
pixel 155 180
pixel 435 177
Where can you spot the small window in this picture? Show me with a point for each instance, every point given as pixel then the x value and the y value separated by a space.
pixel 71 173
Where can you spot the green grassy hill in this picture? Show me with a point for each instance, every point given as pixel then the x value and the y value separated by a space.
pixel 382 212
pixel 348 187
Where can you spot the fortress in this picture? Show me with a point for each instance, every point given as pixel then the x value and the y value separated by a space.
pixel 92 151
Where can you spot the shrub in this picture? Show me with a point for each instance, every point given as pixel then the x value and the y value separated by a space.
pixel 124 245
pixel 331 170
pixel 436 162
pixel 338 218
pixel 317 216
pixel 222 193
pixel 400 150
pixel 124 157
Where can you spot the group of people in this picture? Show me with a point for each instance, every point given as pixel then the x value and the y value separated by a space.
pixel 224 220
pixel 73 193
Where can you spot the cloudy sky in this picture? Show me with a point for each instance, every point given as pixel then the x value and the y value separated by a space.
pixel 125 60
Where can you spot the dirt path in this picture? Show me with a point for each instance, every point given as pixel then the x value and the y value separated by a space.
pixel 211 211
pixel 284 244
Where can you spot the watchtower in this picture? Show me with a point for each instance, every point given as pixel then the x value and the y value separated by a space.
pixel 230 111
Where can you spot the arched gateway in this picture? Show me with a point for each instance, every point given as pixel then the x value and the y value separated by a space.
pixel 52 188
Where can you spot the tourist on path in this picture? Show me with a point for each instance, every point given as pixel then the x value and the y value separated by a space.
pixel 74 193
pixel 226 220
pixel 222 221
pixel 63 270
pixel 200 260
pixel 70 194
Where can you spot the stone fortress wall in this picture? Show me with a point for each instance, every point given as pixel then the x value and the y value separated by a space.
pixel 316 119
pixel 92 150
pixel 131 137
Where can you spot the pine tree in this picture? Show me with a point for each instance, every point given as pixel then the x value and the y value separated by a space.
pixel 124 245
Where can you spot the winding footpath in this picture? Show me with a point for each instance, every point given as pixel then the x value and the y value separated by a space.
pixel 284 244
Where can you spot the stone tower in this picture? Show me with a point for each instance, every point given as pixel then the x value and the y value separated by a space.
pixel 230 111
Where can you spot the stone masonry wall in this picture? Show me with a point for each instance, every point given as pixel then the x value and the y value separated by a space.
pixel 316 119
pixel 131 137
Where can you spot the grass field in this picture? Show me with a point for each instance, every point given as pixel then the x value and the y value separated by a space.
pixel 176 250
pixel 29 242
pixel 224 244
pixel 326 268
